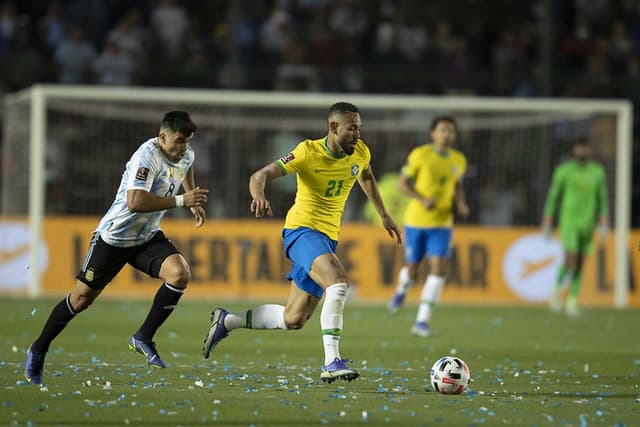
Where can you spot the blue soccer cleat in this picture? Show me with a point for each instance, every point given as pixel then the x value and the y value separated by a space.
pixel 217 331
pixel 421 329
pixel 34 366
pixel 148 350
pixel 338 370
pixel 396 303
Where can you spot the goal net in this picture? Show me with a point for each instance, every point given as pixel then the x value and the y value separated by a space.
pixel 64 148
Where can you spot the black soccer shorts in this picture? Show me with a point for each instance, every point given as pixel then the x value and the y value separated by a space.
pixel 104 261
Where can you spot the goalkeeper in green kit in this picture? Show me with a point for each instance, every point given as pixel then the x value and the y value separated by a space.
pixel 579 195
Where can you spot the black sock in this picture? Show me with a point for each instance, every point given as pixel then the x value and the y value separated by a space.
pixel 164 302
pixel 57 321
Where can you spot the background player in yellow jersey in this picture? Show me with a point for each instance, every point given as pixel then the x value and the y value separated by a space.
pixel 326 170
pixel 432 178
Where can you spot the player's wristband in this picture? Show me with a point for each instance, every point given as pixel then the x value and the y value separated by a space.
pixel 179 201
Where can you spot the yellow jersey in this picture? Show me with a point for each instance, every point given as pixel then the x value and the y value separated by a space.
pixel 324 181
pixel 435 176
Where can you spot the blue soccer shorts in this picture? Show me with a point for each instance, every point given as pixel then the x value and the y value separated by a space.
pixel 430 242
pixel 302 246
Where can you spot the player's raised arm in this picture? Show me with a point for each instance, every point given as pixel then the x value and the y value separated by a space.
pixel 259 203
pixel 368 184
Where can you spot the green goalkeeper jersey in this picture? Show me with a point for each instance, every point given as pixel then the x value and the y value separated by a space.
pixel 579 193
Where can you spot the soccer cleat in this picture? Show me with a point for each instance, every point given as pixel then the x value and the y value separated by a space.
pixel 421 329
pixel 34 366
pixel 555 302
pixel 148 350
pixel 217 331
pixel 396 303
pixel 572 309
pixel 338 370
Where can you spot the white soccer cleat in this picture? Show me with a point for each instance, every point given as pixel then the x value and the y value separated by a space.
pixel 421 329
pixel 555 302
pixel 572 310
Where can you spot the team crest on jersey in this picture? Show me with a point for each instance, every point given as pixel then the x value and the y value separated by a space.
pixel 172 172
pixel 88 275
pixel 142 173
pixel 354 170
pixel 287 158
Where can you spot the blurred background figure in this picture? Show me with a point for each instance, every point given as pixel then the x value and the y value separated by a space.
pixel 114 66
pixel 395 201
pixel 432 180
pixel 75 56
pixel 551 49
pixel 578 195
pixel 169 22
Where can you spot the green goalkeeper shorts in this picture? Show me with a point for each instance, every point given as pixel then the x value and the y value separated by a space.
pixel 576 239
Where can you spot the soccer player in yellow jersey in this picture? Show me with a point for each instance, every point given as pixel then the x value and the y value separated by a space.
pixel 432 178
pixel 326 169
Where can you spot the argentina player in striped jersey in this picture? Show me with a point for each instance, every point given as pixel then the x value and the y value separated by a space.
pixel 129 233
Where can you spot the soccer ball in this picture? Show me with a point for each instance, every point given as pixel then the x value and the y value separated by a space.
pixel 450 375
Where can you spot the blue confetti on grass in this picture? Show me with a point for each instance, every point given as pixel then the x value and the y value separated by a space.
pixel 33 312
pixel 337 395
pixel 583 420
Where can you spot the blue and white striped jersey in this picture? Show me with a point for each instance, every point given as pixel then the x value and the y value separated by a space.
pixel 147 169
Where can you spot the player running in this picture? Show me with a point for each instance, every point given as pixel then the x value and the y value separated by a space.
pixel 432 178
pixel 326 170
pixel 129 233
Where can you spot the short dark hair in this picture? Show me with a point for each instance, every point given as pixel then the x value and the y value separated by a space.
pixel 448 119
pixel 178 121
pixel 583 140
pixel 342 107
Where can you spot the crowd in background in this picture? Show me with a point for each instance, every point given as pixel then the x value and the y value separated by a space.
pixel 575 48
pixel 380 46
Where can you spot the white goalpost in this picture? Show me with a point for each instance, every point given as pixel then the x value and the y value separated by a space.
pixel 56 136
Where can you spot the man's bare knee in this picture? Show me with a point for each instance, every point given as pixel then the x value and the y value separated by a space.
pixel 81 302
pixel 179 276
pixel 295 320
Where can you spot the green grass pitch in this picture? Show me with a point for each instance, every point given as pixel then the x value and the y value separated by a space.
pixel 528 367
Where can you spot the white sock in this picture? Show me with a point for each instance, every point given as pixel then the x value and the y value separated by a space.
pixel 404 281
pixel 267 316
pixel 331 320
pixel 430 295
